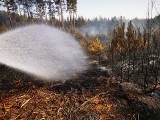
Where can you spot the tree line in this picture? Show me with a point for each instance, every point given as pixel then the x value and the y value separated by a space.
pixel 41 10
pixel 133 54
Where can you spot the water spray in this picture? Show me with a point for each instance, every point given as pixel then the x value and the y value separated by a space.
pixel 43 51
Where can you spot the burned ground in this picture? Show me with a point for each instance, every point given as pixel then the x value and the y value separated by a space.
pixel 92 95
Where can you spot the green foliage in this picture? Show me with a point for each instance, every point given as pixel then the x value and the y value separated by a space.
pixel 96 48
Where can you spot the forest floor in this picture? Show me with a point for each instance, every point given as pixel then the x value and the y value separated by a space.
pixel 92 95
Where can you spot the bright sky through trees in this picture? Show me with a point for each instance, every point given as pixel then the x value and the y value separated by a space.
pixel 110 8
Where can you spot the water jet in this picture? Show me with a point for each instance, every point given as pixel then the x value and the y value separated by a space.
pixel 43 51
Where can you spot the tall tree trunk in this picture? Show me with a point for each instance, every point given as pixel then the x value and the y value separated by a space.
pixel 70 17
pixel 27 7
pixel 8 12
pixel 19 9
pixel 45 10
pixel 61 14
pixel 73 19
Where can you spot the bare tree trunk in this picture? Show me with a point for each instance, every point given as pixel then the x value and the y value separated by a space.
pixel 61 14
pixel 121 69
pixel 70 17
pixel 8 12
pixel 40 12
pixel 73 19
pixel 27 7
pixel 24 11
pixel 145 84
pixel 19 9
pixel 45 11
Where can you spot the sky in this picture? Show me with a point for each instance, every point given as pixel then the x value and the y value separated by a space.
pixel 110 8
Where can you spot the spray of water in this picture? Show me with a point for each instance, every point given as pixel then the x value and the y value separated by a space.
pixel 43 51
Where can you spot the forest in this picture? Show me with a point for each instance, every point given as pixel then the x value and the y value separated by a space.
pixel 122 79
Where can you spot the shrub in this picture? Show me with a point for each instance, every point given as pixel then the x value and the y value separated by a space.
pixel 3 28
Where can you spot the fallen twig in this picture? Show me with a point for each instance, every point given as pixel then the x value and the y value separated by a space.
pixel 25 102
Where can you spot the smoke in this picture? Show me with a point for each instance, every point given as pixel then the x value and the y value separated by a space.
pixel 94 28
pixel 104 26
pixel 42 51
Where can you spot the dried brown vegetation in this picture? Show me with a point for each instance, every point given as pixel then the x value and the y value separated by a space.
pixel 87 96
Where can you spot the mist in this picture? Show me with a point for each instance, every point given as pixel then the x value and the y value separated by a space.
pixel 42 51
pixel 104 26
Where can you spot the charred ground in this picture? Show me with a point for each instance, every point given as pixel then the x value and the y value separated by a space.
pixel 94 94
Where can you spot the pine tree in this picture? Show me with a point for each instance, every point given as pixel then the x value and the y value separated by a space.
pixel 51 10
pixel 60 8
pixel 72 9
pixel 96 48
